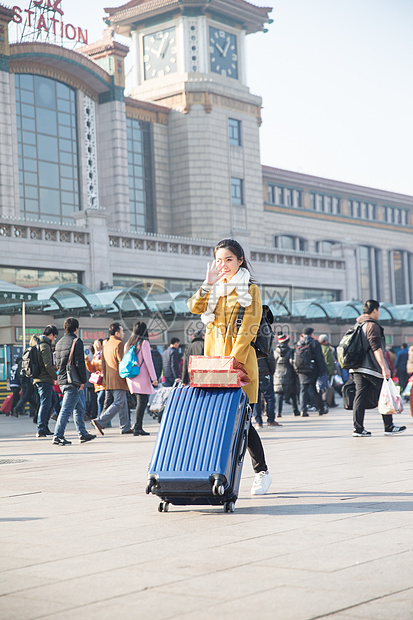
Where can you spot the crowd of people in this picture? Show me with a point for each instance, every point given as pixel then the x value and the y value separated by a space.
pixel 306 375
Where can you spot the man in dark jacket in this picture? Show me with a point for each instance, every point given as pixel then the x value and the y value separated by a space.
pixel 401 366
pixel 266 368
pixel 15 385
pixel 308 346
pixel 44 382
pixel 195 348
pixel 372 370
pixel 285 377
pixel 157 361
pixel 73 395
pixel 170 361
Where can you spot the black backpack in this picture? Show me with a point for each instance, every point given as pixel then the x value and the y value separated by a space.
pixel 265 335
pixel 31 367
pixel 352 348
pixel 303 359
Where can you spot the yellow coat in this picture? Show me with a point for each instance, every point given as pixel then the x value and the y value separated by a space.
pixel 221 337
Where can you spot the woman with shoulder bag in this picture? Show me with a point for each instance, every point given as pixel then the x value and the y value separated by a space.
pixel 142 385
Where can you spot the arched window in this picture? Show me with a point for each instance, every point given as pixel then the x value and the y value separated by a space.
pixel 47 143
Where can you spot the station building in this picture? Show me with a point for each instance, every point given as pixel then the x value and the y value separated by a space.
pixel 110 205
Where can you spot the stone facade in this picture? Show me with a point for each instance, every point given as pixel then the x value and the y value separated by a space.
pixel 192 164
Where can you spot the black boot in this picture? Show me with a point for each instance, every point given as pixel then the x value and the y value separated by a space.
pixel 140 410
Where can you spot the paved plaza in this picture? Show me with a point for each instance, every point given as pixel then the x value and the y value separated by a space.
pixel 333 538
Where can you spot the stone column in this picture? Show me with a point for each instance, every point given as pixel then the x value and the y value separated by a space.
pixel 8 187
pixel 95 221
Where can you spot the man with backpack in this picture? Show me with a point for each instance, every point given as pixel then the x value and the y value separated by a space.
pixel 371 371
pixel 309 364
pixel 43 376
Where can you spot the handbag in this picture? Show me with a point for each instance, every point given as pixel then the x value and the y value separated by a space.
pixel 265 335
pixel 96 378
pixel 71 370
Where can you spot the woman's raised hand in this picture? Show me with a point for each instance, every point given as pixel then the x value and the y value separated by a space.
pixel 213 273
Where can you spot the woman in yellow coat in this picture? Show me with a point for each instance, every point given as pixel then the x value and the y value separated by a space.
pixel 227 287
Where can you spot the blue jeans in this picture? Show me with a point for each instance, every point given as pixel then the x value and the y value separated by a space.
pixel 101 400
pixel 46 403
pixel 73 402
pixel 267 388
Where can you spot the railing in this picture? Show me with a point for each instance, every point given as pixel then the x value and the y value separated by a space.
pixel 41 232
pixel 164 244
pixel 298 259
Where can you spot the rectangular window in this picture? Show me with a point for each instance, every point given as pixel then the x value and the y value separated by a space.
pixel 288 197
pixel 297 198
pixel 141 205
pixel 234 129
pixel 47 148
pixel 237 191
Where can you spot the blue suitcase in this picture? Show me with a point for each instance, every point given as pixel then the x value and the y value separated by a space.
pixel 200 448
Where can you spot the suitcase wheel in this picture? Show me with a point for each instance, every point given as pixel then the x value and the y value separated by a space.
pixel 163 507
pixel 229 506
pixel 218 489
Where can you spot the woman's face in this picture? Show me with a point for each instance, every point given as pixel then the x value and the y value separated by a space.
pixel 97 346
pixel 227 263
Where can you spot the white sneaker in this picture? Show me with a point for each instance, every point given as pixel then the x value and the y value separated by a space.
pixel 262 483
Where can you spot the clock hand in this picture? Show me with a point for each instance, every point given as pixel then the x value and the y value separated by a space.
pixel 164 46
pixel 225 52
pixel 217 45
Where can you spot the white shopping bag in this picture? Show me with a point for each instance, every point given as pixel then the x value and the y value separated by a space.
pixel 390 401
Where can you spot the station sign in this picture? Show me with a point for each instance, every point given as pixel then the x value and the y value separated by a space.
pixel 45 17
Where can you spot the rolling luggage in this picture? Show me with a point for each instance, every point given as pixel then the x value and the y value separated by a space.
pixel 200 448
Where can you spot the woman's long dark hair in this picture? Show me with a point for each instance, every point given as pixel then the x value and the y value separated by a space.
pixel 139 333
pixel 235 248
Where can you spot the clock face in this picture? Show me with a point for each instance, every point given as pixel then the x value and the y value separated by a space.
pixel 159 53
pixel 223 55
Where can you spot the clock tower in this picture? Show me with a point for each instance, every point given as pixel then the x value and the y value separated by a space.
pixel 189 55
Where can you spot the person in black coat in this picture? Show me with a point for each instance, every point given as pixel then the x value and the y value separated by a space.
pixel 285 377
pixel 308 379
pixel 157 362
pixel 266 368
pixel 170 361
pixel 195 348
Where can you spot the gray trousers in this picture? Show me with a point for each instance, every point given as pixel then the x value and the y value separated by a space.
pixel 119 405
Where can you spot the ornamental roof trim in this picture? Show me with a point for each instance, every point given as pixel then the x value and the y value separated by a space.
pixel 56 58
pixel 251 17
pixel 272 174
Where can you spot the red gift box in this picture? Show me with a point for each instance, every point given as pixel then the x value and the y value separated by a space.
pixel 216 371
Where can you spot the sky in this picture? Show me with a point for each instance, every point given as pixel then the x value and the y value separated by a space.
pixel 336 81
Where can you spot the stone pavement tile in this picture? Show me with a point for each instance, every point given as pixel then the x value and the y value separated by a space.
pixel 17 607
pixel 146 605
pixel 332 557
pixel 102 585
pixel 288 603
pixel 398 606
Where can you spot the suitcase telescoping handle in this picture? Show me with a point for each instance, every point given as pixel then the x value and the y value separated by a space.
pixel 244 447
pixel 245 434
